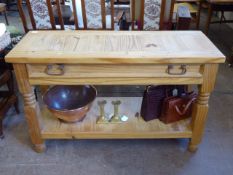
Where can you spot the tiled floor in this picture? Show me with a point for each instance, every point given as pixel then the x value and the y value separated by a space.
pixel 168 157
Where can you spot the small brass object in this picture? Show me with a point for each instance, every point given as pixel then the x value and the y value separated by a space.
pixel 102 118
pixel 116 118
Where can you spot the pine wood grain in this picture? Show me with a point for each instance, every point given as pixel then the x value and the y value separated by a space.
pixel 111 47
pixel 111 71
pixel 133 128
pixel 134 74
pixel 115 81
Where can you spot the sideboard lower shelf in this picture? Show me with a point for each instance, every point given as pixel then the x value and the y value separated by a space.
pixel 53 128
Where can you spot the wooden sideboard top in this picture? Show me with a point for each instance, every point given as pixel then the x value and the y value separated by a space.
pixel 115 47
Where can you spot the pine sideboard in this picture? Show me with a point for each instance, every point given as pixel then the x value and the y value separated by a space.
pixel 114 58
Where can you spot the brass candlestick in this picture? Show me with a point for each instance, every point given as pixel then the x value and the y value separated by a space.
pixel 116 117
pixel 102 118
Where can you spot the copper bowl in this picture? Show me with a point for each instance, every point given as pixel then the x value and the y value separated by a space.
pixel 70 103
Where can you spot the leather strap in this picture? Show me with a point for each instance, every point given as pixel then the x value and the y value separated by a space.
pixel 186 107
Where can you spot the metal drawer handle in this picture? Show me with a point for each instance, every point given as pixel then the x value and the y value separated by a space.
pixel 59 69
pixel 182 67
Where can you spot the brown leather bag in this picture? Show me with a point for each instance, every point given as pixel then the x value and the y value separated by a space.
pixel 152 102
pixel 177 108
pixel 153 99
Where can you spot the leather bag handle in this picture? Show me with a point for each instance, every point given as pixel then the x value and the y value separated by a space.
pixel 186 107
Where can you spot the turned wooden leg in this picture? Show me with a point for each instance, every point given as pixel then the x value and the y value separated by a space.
pixel 200 111
pixel 200 108
pixel 31 110
pixel 31 107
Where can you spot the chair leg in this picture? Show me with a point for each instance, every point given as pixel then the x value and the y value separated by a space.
pixel 16 105
pixel 222 18
pixel 10 84
pixel 1 128
pixel 210 12
pixel 198 15
pixel 7 23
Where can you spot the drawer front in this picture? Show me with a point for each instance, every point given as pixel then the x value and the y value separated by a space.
pixel 112 71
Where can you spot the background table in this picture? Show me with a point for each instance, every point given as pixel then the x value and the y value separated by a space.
pixel 219 6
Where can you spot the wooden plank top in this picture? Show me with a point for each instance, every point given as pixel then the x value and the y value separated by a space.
pixel 115 47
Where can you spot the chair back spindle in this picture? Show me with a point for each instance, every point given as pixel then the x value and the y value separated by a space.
pixel 59 11
pixel 94 15
pixel 41 14
pixel 152 14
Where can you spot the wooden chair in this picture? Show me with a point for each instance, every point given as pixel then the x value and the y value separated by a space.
pixel 3 10
pixel 63 10
pixel 94 15
pixel 7 97
pixel 183 18
pixel 218 6
pixel 152 14
pixel 195 11
pixel 41 15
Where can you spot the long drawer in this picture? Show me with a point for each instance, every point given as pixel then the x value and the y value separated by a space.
pixel 121 74
pixel 84 71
